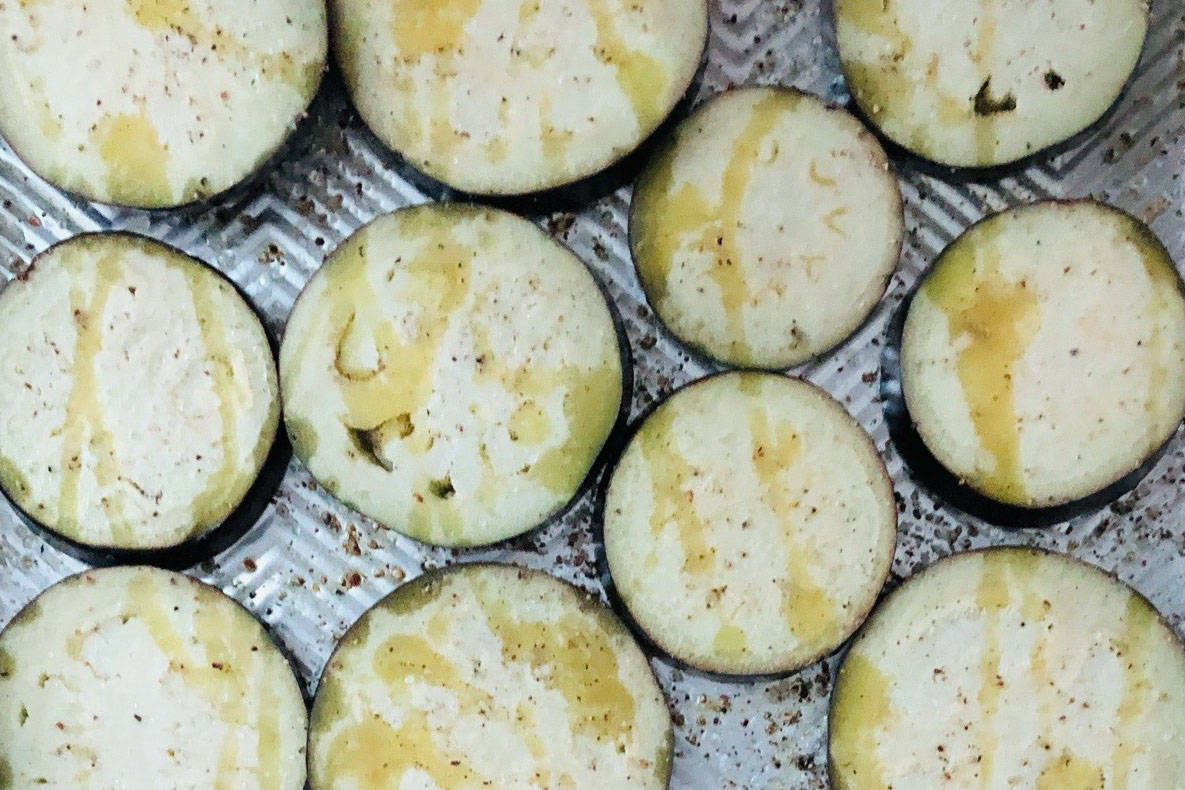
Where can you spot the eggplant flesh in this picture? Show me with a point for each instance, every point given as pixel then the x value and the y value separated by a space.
pixel 155 105
pixel 454 373
pixel 512 97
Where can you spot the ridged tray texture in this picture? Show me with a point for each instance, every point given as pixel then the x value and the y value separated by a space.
pixel 310 567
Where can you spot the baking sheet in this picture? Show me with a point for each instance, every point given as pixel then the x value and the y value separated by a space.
pixel 310 567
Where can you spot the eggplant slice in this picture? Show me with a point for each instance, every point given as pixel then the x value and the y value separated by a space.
pixel 766 230
pixel 489 676
pixel 1007 668
pixel 135 677
pixel 453 373
pixel 155 104
pixel 981 83
pixel 1043 357
pixel 749 525
pixel 508 97
pixel 141 392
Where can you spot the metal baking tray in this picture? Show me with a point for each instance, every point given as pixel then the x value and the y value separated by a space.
pixel 310 566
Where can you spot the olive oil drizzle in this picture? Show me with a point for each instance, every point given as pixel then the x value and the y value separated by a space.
pixel 438 29
pixel 422 28
pixel 672 479
pixel 809 613
pixel 641 78
pixel 859 715
pixel 226 652
pixel 683 216
pixel 993 597
pixel 807 609
pixel 386 381
pixel 137 159
pixel 1134 655
pixel 84 424
pixel 179 16
pixel 226 484
pixel 996 317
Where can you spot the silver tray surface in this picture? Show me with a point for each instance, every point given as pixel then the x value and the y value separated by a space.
pixel 311 566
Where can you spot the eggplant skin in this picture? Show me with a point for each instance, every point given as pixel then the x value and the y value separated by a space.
pixel 980 84
pixel 181 101
pixel 138 677
pixel 692 534
pixel 1009 378
pixel 1010 635
pixel 611 727
pixel 197 375
pixel 512 377
pixel 765 229
pixel 554 96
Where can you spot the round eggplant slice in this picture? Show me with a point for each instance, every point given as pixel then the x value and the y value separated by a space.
pixel 155 103
pixel 140 394
pixel 749 525
pixel 1010 668
pixel 509 97
pixel 453 373
pixel 489 676
pixel 767 228
pixel 987 82
pixel 1043 356
pixel 141 678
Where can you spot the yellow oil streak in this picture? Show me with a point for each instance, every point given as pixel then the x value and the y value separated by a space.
pixel 641 78
pixel 137 159
pixel 1134 655
pixel 569 656
pixel 430 27
pixel 992 320
pixel 677 217
pixel 227 484
pixel 861 712
pixel 168 16
pixel 227 657
pixel 85 426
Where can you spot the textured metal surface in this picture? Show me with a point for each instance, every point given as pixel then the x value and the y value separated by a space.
pixel 310 567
